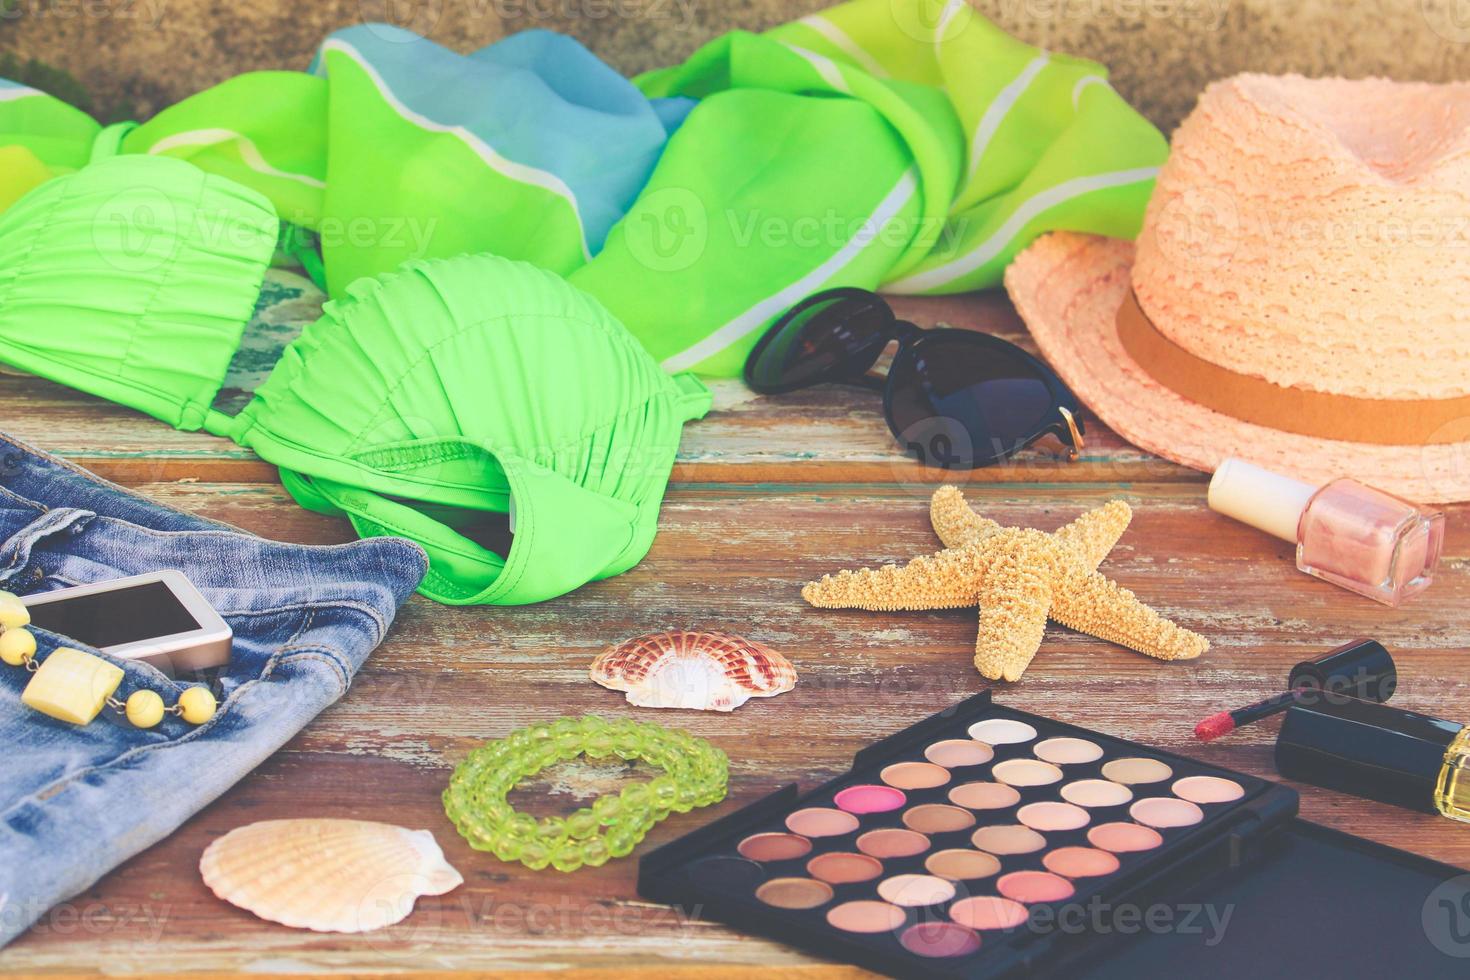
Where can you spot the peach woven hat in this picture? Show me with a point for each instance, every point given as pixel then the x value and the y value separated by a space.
pixel 1299 295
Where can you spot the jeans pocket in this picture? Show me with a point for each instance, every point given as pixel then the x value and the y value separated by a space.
pixel 16 571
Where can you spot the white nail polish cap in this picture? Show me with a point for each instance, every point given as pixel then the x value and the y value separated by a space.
pixel 1265 500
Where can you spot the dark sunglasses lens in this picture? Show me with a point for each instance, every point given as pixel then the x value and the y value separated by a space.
pixel 822 340
pixel 959 402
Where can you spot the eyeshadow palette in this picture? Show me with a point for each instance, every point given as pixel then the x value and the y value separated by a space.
pixel 944 846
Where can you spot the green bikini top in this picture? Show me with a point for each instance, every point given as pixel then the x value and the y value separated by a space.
pixel 461 402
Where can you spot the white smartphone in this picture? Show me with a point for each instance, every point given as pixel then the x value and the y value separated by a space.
pixel 159 617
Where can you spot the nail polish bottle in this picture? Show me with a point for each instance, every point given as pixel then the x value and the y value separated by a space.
pixel 1346 533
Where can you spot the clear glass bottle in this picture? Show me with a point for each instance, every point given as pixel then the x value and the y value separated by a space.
pixel 1346 533
pixel 1452 789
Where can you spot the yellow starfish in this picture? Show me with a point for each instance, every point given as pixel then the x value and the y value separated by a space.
pixel 1020 578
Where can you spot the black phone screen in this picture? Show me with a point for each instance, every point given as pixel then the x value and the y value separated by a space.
pixel 108 619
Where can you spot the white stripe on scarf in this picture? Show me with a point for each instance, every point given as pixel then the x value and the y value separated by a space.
pixel 508 168
pixel 249 152
pixel 762 313
pixel 841 40
pixel 1000 107
pixel 1029 210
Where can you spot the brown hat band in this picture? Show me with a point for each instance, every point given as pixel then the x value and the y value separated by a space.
pixel 1380 421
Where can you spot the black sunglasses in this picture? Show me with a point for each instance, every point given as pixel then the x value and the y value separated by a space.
pixel 954 398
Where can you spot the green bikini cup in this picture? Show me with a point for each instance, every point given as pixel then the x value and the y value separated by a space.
pixel 450 402
pixel 455 389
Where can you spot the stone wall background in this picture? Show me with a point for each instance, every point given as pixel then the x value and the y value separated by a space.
pixel 128 58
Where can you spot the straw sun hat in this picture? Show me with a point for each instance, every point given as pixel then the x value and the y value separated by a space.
pixel 1299 295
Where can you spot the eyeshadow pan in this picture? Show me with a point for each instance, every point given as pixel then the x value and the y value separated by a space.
pixel 1001 731
pixel 794 893
pixel 984 796
pixel 774 847
pixel 870 799
pixel 843 868
pixel 1124 838
pixel 1208 789
pixel 865 916
pixel 1005 839
pixel 1068 751
pixel 1026 772
pixel 1080 862
pixel 914 775
pixel 1031 887
pixel 890 842
pixel 939 939
pixel 1133 771
pixel 957 752
pixel 1094 793
pixel 819 821
pixel 1051 815
pixel 1166 811
pixel 915 891
pixel 937 818
pixel 962 865
pixel 988 912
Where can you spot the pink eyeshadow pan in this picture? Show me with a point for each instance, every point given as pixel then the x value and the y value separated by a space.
pixel 984 796
pixel 870 799
pixel 1208 789
pixel 1050 816
pixel 1080 862
pixel 774 847
pixel 957 752
pixel 1124 838
pixel 865 916
pixel 1166 811
pixel 939 939
pixel 1030 887
pixel 821 822
pixel 988 912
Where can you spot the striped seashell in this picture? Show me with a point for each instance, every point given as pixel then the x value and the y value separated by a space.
pixel 691 669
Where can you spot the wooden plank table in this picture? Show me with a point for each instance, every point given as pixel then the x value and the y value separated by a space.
pixel 768 494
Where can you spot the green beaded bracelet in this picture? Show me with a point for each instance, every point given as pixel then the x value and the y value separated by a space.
pixel 696 774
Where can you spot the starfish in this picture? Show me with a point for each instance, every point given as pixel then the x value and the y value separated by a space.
pixel 1020 578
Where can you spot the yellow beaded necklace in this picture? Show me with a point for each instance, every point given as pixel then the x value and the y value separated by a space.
pixel 74 686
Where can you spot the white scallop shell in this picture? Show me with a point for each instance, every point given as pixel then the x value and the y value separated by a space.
pixel 327 875
pixel 690 669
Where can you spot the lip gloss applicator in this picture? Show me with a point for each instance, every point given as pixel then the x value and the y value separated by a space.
pixel 1362 669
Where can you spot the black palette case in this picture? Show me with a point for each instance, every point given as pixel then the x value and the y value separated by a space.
pixel 1249 891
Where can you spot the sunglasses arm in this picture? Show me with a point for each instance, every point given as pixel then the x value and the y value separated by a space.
pixel 1072 436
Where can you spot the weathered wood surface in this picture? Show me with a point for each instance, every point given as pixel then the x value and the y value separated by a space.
pixel 830 434
pixel 770 494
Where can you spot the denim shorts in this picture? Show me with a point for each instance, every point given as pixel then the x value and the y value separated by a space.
pixel 75 801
